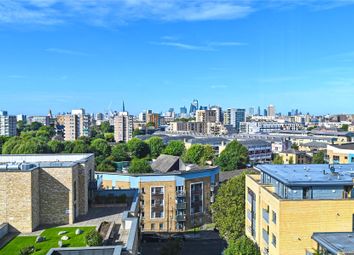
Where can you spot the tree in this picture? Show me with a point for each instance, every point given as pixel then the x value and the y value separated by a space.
pixel 199 154
pixel 318 158
pixel 278 160
pixel 100 147
pixel 120 152
pixel 291 160
pixel 93 238
pixel 10 144
pixel 242 246
pixel 105 127
pixel 137 132
pixel 109 137
pixel 345 127
pixel 229 208
pixel 20 126
pixel 56 146
pixel 46 131
pixel 68 146
pixel 106 166
pixel 34 126
pixel 295 146
pixel 138 148
pixel 80 147
pixel 30 146
pixel 175 148
pixel 156 146
pixel 234 156
pixel 139 166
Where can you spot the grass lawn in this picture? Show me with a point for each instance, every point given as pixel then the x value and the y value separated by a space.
pixel 52 238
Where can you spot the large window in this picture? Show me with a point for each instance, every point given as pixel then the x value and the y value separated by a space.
pixel 196 198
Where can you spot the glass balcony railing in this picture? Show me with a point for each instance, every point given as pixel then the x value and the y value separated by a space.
pixel 181 205
pixel 180 194
pixel 181 217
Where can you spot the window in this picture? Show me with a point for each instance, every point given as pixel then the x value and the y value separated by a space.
pixel 161 226
pixel 142 215
pixel 306 193
pixel 143 190
pixel 274 217
pixel 142 226
pixel 152 226
pixel 142 202
pixel 274 240
pixel 152 202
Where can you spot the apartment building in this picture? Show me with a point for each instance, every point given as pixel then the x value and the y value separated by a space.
pixel 287 204
pixel 76 124
pixel 153 118
pixel 332 243
pixel 44 120
pixel 292 156
pixel 44 189
pixel 340 154
pixel 175 197
pixel 259 151
pixel 123 127
pixel 8 124
pixel 205 116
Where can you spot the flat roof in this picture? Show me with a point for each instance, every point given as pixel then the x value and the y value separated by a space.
pixel 310 174
pixel 345 146
pixel 29 162
pixel 336 241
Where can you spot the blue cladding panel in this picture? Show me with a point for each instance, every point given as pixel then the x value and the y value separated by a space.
pixel 327 193
pixel 295 193
pixel 351 158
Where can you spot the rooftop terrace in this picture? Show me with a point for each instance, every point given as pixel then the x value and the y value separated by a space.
pixel 322 174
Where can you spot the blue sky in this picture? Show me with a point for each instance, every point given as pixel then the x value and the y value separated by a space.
pixel 158 54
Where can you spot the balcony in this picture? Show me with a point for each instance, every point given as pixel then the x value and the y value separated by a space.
pixel 265 215
pixel 181 205
pixel 181 217
pixel 265 236
pixel 180 194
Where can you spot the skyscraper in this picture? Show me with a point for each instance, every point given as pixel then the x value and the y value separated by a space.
pixel 218 113
pixel 271 110
pixel 240 117
pixel 259 111
pixel 194 107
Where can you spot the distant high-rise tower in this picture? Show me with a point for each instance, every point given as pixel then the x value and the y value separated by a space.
pixel 123 127
pixel 265 112
pixel 7 124
pixel 77 124
pixel 259 111
pixel 194 106
pixel 271 110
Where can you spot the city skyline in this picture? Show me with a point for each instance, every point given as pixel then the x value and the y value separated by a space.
pixel 233 54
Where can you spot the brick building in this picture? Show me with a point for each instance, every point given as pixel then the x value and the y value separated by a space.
pixel 45 189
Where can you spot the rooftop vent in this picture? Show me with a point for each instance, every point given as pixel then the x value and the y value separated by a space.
pixel 331 167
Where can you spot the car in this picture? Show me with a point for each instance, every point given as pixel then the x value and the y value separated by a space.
pixel 150 238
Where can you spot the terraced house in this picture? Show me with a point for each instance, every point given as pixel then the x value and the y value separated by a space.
pixel 175 197
pixel 44 189
pixel 287 204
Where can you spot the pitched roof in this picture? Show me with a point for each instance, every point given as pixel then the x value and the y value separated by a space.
pixel 166 163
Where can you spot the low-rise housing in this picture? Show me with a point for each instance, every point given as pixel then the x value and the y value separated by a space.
pixel 175 197
pixel 340 154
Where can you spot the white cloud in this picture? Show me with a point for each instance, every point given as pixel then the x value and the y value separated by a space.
pixel 184 46
pixel 113 12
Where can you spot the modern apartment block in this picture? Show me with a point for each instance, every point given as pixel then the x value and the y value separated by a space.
pixel 44 189
pixel 44 120
pixel 153 118
pixel 340 154
pixel 205 116
pixel 286 204
pixel 123 127
pixel 7 124
pixel 76 124
pixel 259 151
pixel 175 197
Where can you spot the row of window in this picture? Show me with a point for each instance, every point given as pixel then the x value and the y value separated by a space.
pixel 153 226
